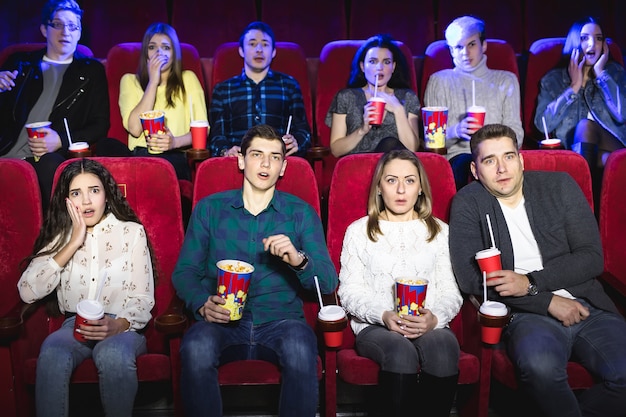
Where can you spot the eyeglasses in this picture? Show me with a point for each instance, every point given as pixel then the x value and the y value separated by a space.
pixel 60 26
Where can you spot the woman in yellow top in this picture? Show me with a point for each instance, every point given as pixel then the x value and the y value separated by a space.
pixel 161 84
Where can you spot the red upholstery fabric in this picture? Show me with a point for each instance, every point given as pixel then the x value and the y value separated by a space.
pixel 124 59
pixel 107 23
pixel 209 24
pixel 347 202
pixel 151 188
pixel 543 56
pixel 500 56
pixel 290 60
pixel 410 22
pixel 20 222
pixel 503 19
pixel 332 76
pixel 221 174
pixel 613 221
pixel 550 160
pixel 27 47
pixel 311 24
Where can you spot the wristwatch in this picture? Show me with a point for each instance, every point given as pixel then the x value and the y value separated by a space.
pixel 305 261
pixel 532 285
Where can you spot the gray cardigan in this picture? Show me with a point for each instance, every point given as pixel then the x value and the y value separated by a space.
pixel 564 227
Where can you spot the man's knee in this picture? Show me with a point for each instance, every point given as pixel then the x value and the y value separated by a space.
pixel 200 345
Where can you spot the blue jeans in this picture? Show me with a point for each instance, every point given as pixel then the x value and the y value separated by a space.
pixel 436 352
pixel 540 347
pixel 115 358
pixel 291 344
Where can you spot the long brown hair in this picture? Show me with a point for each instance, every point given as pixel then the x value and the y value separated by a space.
pixel 174 85
pixel 423 206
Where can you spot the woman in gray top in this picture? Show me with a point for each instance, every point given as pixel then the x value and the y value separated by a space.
pixel 378 62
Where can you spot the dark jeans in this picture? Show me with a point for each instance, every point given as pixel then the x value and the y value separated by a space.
pixel 436 352
pixel 461 169
pixel 540 347
pixel 291 344
pixel 45 169
pixel 177 158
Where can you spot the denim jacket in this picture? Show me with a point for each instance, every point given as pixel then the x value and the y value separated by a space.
pixel 602 97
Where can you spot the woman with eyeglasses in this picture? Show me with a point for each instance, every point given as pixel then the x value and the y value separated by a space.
pixel 161 84
pixel 53 84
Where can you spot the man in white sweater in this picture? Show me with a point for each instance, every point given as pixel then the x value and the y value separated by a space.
pixel 497 91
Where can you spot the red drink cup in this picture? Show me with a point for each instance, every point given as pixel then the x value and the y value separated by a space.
pixel 331 320
pixel 435 121
pixel 199 130
pixel 34 129
pixel 551 144
pixel 489 260
pixel 379 105
pixel 79 150
pixel 233 282
pixel 478 113
pixel 86 310
pixel 410 295
pixel 493 316
pixel 152 122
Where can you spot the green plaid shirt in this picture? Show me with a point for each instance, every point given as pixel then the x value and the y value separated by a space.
pixel 221 228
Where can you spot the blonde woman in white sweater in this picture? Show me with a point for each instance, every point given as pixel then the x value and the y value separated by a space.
pixel 401 237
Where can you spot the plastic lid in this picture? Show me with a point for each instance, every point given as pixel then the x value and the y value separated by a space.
pixel 487 253
pixel 90 309
pixel 493 308
pixel 331 313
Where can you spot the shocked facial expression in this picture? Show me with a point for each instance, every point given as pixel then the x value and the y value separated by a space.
pixel 62 42
pixel 591 43
pixel 87 193
pixel 378 65
pixel 263 163
pixel 467 51
pixel 160 48
pixel 400 187
pixel 257 51
pixel 500 168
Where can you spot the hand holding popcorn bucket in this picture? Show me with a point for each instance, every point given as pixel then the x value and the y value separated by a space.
pixel 233 282
pixel 152 122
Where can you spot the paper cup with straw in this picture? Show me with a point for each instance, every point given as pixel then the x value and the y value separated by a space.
pixel 549 143
pixel 331 320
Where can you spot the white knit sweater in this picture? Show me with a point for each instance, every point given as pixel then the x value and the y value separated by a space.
pixel 369 269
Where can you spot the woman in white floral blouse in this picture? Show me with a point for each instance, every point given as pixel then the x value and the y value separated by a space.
pixel 91 239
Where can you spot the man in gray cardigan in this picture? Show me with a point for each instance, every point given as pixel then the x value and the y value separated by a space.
pixel 551 254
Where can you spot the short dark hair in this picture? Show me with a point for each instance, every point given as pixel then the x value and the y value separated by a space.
pixel 263 27
pixel 264 132
pixel 53 6
pixel 400 76
pixel 490 132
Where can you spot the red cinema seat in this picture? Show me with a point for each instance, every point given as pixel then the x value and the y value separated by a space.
pixel 20 222
pixel 144 182
pixel 290 60
pixel 543 56
pixel 613 221
pixel 221 174
pixel 347 202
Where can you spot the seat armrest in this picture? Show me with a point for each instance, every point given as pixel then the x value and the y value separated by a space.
pixel 317 152
pixel 173 320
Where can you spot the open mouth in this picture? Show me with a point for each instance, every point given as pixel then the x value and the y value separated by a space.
pixel 88 213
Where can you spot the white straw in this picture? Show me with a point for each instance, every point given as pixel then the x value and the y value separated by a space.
pixel 545 128
pixel 101 285
pixel 493 242
pixel 473 92
pixel 376 86
pixel 484 286
pixel 319 293
pixel 67 129
pixel 289 125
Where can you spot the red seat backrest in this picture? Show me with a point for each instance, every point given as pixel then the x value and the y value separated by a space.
pixel 20 221
pixel 290 60
pixel 500 56
pixel 124 59
pixel 543 56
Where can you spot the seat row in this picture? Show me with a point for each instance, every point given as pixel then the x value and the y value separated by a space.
pixel 158 207
pixel 312 24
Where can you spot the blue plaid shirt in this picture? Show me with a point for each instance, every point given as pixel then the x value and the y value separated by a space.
pixel 239 103
pixel 221 228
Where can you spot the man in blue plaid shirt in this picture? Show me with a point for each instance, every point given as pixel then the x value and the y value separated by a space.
pixel 257 96
pixel 282 237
